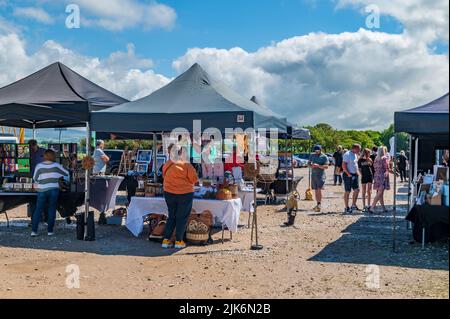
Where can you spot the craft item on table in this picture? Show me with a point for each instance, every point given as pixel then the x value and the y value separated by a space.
pixel 153 189
pixel 87 163
pixel 228 177
pixel 213 171
pixel 237 172
pixel 199 227
pixel 251 171
pixel 224 194
pixel 23 151
pixel 122 211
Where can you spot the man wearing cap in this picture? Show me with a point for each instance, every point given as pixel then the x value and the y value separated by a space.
pixel 101 159
pixel 318 163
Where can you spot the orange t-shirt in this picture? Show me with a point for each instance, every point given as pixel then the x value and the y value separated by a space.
pixel 179 178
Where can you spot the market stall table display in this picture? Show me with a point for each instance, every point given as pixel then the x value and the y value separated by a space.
pixel 103 197
pixel 430 222
pixel 226 211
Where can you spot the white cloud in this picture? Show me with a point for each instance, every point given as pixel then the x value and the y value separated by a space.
pixel 351 80
pixel 427 20
pixel 123 73
pixel 33 13
pixel 123 14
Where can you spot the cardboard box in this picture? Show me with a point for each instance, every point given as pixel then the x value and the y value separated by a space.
pixel 435 200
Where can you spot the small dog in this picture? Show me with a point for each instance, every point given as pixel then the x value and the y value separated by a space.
pixel 292 202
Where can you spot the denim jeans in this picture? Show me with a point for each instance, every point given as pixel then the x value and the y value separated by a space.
pixel 180 207
pixel 50 198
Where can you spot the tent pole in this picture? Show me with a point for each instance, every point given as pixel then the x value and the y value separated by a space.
pixel 87 180
pixel 155 151
pixel 254 230
pixel 409 172
pixel 34 130
pixel 416 165
pixel 394 211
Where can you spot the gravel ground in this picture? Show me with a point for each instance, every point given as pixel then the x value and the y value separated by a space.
pixel 326 255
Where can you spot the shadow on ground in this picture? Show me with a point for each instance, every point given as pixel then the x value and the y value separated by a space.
pixel 370 241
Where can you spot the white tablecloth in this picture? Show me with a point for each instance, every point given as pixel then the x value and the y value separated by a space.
pixel 247 200
pixel 227 211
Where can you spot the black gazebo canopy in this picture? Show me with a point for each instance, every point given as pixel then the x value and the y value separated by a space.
pixel 54 96
pixel 431 118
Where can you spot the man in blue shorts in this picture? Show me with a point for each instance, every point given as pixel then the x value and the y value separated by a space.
pixel 318 163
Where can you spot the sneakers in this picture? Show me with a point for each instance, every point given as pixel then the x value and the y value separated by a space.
pixel 166 244
pixel 180 245
pixel 33 234
pixel 50 233
pixel 347 210
pixel 354 207
pixel 317 209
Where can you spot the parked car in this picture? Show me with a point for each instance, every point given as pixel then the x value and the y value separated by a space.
pixel 8 139
pixel 330 158
pixel 304 156
pixel 112 168
pixel 299 162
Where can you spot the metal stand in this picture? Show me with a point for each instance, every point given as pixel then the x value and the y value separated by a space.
pixel 254 234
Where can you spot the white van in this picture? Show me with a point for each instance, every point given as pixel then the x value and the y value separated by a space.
pixel 8 139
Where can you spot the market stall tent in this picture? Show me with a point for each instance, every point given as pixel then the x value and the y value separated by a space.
pixel 431 118
pixel 194 95
pixel 428 130
pixel 54 96
pixel 428 127
pixel 295 132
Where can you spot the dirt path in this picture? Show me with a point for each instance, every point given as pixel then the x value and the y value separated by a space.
pixel 327 255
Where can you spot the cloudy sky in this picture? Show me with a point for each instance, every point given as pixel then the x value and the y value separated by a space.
pixel 310 60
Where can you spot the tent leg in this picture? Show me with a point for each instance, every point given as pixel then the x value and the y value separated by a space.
pixel 87 181
pixel 155 164
pixel 423 238
pixel 394 211
pixel 34 131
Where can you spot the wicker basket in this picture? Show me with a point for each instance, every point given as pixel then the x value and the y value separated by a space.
pixel 234 189
pixel 224 194
pixel 197 238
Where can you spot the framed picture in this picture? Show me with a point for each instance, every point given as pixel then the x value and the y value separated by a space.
pixel 23 165
pixel 141 168
pixel 23 151
pixel 160 161
pixel 7 150
pixel 144 156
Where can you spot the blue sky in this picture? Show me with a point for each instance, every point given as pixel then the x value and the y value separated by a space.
pixel 310 60
pixel 248 24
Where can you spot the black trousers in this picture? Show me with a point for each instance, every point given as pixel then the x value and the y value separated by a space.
pixel 402 171
pixel 180 207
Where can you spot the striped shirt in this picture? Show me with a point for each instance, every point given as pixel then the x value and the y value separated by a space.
pixel 47 175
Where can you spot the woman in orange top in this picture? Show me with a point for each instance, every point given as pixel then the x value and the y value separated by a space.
pixel 179 180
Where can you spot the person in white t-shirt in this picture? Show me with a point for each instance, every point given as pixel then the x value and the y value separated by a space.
pixel 351 177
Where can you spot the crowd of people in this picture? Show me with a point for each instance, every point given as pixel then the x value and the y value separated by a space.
pixel 359 170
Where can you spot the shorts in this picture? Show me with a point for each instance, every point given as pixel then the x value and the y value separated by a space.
pixel 367 180
pixel 317 182
pixel 351 182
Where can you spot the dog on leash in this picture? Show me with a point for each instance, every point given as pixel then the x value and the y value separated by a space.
pixel 292 207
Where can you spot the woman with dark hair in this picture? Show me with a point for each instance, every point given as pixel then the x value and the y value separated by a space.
pixel 365 165
pixel 179 180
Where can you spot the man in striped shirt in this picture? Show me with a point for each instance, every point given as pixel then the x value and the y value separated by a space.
pixel 47 175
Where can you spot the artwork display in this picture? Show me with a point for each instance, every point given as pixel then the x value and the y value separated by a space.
pixel 144 156
pixel 23 151
pixel 23 165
